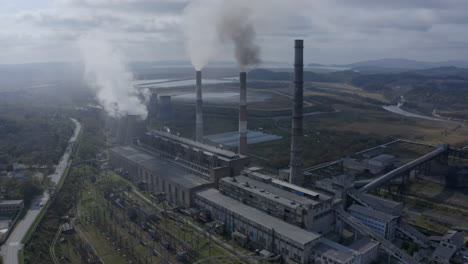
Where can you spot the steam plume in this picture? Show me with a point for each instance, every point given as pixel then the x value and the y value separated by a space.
pixel 107 73
pixel 210 23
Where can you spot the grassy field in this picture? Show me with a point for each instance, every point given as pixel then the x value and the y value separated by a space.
pixel 360 122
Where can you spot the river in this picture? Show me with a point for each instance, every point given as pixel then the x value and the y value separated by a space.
pixel 397 110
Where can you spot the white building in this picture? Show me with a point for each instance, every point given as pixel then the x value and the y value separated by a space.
pixel 363 251
pixel 382 223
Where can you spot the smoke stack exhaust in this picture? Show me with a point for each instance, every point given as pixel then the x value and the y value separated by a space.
pixel 199 110
pixel 296 176
pixel 242 146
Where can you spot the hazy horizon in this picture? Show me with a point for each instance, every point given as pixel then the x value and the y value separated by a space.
pixel 335 32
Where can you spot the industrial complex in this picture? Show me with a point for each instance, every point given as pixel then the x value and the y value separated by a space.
pixel 330 213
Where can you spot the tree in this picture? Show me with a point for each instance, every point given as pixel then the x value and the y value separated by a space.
pixel 29 188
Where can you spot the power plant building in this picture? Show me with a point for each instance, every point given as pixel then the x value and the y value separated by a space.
pixel 156 175
pixel 380 222
pixel 304 208
pixel 200 159
pixel 262 229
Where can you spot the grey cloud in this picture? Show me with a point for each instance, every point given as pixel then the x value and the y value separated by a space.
pixel 140 6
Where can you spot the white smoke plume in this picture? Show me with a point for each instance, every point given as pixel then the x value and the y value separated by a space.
pixel 210 23
pixel 107 73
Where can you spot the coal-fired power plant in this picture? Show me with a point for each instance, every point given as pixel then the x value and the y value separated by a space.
pixel 296 176
pixel 242 146
pixel 199 110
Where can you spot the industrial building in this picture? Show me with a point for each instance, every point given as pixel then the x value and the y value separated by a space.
pixel 446 247
pixel 363 251
pixel 8 207
pixel 200 159
pixel 293 204
pixel 262 229
pixel 382 223
pixel 156 175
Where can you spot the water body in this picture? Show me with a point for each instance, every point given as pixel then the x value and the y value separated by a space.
pixel 221 97
pixel 397 110
pixel 167 83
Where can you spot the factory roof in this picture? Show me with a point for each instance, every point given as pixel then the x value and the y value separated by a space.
pixel 363 245
pixel 174 173
pixel 132 153
pixel 382 204
pixel 217 151
pixel 384 217
pixel 269 191
pixel 383 158
pixel 161 167
pixel 293 233
pixel 301 190
pixel 444 251
pixel 11 202
pixel 334 251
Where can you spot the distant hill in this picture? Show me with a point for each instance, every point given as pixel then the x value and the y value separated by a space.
pixel 447 72
pixel 339 76
pixel 395 65
pixel 316 65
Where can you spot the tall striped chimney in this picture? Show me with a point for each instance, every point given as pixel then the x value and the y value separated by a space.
pixel 242 148
pixel 199 110
pixel 296 176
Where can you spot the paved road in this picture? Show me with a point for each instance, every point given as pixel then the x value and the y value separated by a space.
pixel 11 247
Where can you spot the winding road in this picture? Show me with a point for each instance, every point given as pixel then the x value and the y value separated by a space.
pixel 11 247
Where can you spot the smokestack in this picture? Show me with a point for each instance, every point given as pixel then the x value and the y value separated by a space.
pixel 242 146
pixel 296 176
pixel 199 110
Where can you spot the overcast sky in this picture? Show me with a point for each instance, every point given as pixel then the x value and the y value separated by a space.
pixel 335 31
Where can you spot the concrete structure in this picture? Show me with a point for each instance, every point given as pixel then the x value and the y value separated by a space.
pixel 242 146
pixel 337 185
pixel 382 160
pixel 263 231
pixel 199 159
pixel 363 251
pixel 355 165
pixel 446 246
pixel 153 106
pixel 313 212
pixel 296 176
pixel 8 207
pixel 165 112
pixel 382 223
pixel 441 149
pixel 199 109
pixel 156 175
pixel 136 127
pixel 231 139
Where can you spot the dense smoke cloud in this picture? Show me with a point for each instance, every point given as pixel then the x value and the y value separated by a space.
pixel 107 73
pixel 210 23
pixel 236 25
